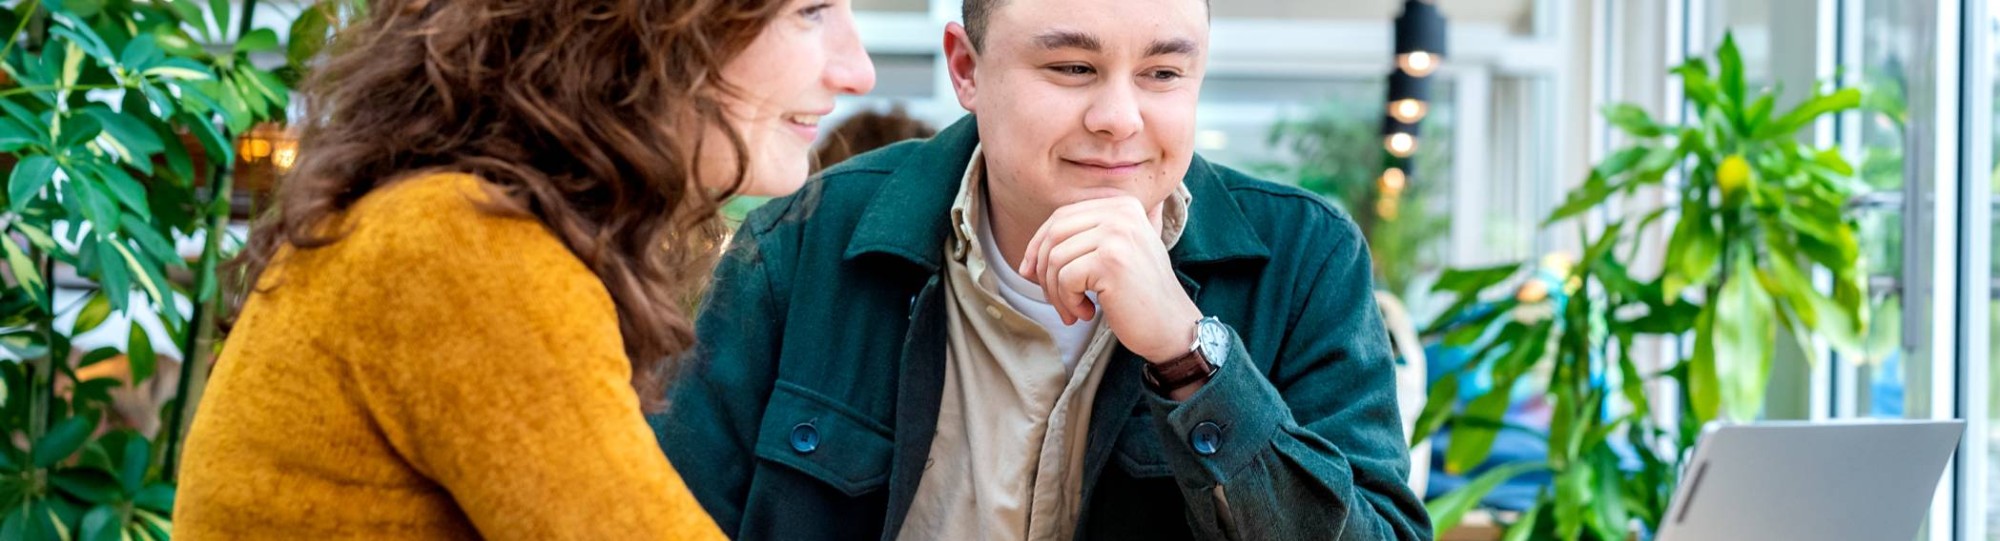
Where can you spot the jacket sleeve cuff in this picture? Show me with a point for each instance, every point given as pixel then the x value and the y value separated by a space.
pixel 1225 426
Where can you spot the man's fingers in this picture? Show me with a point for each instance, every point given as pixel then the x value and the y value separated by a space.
pixel 1072 281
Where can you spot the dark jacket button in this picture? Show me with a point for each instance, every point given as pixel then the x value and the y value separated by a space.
pixel 805 438
pixel 1206 438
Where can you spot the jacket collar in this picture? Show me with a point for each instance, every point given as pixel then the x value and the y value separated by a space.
pixel 909 218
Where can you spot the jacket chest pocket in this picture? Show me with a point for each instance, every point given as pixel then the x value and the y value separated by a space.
pixel 825 440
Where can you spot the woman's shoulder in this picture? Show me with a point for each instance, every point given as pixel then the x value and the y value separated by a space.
pixel 448 227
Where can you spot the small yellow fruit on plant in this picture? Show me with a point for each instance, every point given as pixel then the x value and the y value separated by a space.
pixel 1733 175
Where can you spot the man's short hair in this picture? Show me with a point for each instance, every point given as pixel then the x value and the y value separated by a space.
pixel 975 13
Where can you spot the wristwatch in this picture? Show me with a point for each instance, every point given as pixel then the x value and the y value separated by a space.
pixel 1204 358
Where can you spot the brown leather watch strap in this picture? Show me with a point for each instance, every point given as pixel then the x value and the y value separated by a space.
pixel 1172 375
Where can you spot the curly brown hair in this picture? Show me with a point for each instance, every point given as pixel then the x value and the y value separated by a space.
pixel 588 115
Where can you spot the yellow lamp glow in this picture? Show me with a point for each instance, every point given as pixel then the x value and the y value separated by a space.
pixel 1408 111
pixel 1418 64
pixel 1401 145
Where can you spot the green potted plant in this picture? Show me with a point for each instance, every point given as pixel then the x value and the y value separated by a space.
pixel 119 120
pixel 1338 154
pixel 1757 212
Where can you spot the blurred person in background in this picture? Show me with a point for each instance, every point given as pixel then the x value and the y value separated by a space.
pixel 867 131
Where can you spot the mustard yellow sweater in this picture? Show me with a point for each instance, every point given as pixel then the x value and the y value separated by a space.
pixel 439 373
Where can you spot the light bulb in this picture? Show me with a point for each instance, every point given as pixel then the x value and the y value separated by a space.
pixel 1401 145
pixel 1408 111
pixel 1393 181
pixel 1418 64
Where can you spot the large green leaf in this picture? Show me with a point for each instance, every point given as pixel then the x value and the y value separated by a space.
pixel 62 440
pixel 1573 504
pixel 1472 281
pixel 219 9
pixel 1695 82
pixel 86 41
pixel 1692 252
pixel 179 70
pixel 82 8
pixel 102 524
pixel 1475 430
pixel 141 53
pixel 1802 116
pixel 272 88
pixel 1633 119
pixel 30 175
pixel 1437 406
pixel 1593 192
pixel 145 276
pixel 97 356
pixel 309 34
pixel 97 206
pixel 262 39
pixel 26 274
pixel 139 348
pixel 95 310
pixel 127 191
pixel 151 242
pixel 1524 529
pixel 1744 340
pixel 1612 518
pixel 112 274
pixel 1473 434
pixel 157 497
pixel 77 130
pixel 132 462
pixel 1447 510
pixel 138 140
pixel 1731 76
pixel 13 137
pixel 87 484
pixel 32 521
pixel 1703 383
pixel 1759 112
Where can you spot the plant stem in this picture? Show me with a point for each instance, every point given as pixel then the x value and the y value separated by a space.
pixel 18 27
pixel 46 88
pixel 202 322
pixel 42 390
pixel 249 12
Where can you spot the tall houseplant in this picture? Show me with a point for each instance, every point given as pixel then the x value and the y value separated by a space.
pixel 1338 155
pixel 118 118
pixel 1756 213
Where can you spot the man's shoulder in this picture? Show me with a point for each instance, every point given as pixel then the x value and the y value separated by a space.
pixel 838 194
pixel 1282 211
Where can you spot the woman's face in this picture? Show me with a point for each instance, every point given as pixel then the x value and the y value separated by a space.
pixel 785 83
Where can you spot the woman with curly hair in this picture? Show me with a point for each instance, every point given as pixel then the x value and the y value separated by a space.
pixel 477 279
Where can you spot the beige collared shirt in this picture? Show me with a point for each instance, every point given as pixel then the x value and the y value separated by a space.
pixel 1007 461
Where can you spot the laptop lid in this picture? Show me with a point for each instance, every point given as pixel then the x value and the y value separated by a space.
pixel 1825 481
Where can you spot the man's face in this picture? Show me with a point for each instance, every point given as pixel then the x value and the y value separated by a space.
pixel 1085 99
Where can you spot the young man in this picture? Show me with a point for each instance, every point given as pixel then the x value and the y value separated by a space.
pixel 1050 321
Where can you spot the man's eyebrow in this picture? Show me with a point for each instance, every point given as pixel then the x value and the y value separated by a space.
pixel 1065 39
pixel 1180 46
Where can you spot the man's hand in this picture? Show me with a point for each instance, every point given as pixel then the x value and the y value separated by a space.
pixel 1111 247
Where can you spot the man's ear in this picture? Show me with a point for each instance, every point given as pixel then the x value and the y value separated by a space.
pixel 960 59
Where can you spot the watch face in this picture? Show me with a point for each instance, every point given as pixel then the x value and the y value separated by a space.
pixel 1214 339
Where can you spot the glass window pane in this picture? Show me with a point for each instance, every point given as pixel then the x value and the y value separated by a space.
pixel 1893 377
pixel 1992 290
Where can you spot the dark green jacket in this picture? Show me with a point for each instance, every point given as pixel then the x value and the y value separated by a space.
pixel 810 411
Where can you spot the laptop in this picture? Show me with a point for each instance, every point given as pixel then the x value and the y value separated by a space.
pixel 1821 481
